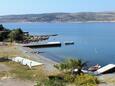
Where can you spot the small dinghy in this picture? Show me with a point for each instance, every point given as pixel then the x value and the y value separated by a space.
pixel 69 43
pixel 94 68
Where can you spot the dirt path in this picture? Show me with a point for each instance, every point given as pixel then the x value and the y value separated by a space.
pixel 4 67
pixel 15 82
pixel 107 80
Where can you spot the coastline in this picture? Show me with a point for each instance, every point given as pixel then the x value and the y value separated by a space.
pixel 48 64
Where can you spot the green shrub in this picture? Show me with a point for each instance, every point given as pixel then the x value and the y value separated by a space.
pixel 86 80
pixel 69 78
pixel 51 82
pixel 39 83
pixel 54 82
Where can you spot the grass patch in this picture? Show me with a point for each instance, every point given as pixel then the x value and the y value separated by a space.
pixel 10 51
pixel 18 70
pixel 23 72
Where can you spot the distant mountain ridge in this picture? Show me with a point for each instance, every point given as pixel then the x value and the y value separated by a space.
pixel 61 17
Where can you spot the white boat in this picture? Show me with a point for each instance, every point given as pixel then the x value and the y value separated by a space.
pixel 27 62
pixel 110 68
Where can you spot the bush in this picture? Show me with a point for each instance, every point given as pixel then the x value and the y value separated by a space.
pixel 69 78
pixel 38 83
pixel 51 82
pixel 54 82
pixel 86 80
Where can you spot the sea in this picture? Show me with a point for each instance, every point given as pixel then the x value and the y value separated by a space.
pixel 93 42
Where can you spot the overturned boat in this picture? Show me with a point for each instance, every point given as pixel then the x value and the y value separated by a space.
pixel 110 68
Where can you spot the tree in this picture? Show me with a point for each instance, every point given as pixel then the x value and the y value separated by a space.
pixel 19 34
pixel 1 27
pixel 79 65
pixel 16 35
pixel 3 33
pixel 12 36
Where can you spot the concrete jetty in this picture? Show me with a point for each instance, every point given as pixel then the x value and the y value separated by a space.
pixel 42 45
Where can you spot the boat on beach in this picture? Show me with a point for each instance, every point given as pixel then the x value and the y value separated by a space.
pixel 98 70
pixel 94 68
pixel 110 68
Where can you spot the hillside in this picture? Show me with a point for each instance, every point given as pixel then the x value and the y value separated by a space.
pixel 60 17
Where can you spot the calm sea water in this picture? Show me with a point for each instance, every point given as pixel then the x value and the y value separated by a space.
pixel 94 42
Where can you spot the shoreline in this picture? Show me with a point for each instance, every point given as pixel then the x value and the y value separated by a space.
pixel 47 63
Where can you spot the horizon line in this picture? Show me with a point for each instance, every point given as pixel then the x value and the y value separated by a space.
pixel 54 13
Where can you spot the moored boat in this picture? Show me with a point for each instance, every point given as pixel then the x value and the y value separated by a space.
pixel 69 43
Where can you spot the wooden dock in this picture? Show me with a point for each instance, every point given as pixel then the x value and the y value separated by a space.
pixel 43 45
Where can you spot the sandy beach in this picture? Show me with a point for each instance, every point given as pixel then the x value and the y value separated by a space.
pixel 15 82
pixel 48 63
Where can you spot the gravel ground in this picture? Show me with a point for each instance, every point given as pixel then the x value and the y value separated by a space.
pixel 107 80
pixel 8 81
pixel 4 67
pixel 15 82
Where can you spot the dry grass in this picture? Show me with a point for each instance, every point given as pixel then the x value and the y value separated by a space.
pixel 9 51
pixel 18 70
pixel 23 72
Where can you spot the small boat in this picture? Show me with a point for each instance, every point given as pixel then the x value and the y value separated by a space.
pixel 110 68
pixel 94 68
pixel 69 43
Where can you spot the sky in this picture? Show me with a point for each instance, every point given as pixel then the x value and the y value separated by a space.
pixel 8 7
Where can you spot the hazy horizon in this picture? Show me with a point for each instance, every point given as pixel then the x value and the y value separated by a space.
pixel 53 12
